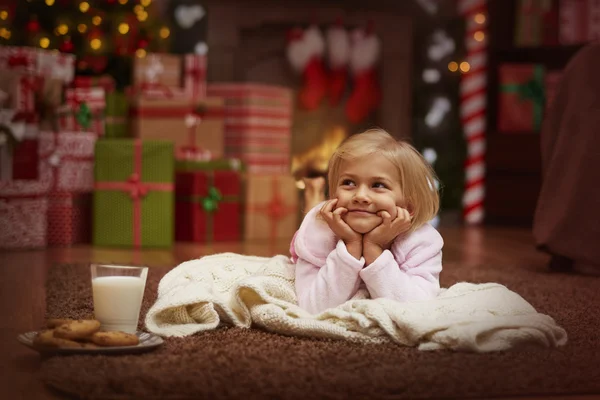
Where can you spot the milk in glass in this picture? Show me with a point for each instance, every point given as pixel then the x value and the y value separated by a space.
pixel 117 302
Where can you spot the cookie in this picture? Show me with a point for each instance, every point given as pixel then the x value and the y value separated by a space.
pixel 46 339
pixel 114 338
pixel 77 330
pixel 56 322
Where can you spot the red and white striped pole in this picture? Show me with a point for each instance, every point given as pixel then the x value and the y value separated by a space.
pixel 473 87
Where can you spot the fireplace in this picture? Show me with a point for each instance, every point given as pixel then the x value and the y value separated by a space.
pixel 247 43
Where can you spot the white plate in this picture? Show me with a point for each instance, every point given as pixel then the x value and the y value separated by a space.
pixel 148 341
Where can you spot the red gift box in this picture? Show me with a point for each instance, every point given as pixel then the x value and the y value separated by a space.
pixel 521 102
pixel 537 23
pixel 25 160
pixel 69 218
pixel 25 155
pixel 207 202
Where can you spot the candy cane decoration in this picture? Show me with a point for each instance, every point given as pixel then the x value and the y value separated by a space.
pixel 473 87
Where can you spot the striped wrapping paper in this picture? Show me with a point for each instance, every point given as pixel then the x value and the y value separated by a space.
pixel 258 124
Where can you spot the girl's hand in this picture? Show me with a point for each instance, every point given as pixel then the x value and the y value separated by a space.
pixel 381 238
pixel 351 238
pixel 337 224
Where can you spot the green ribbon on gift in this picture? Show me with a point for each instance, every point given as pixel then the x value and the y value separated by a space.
pixel 531 90
pixel 210 203
pixel 84 116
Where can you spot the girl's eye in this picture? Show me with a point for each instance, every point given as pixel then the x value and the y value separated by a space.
pixel 347 182
pixel 379 185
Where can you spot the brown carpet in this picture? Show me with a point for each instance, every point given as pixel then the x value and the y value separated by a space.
pixel 231 363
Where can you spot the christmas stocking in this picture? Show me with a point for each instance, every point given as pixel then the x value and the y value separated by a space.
pixel 338 54
pixel 305 53
pixel 366 93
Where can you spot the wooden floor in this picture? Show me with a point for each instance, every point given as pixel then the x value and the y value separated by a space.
pixel 23 274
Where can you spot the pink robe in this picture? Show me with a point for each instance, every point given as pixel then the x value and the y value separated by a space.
pixel 327 275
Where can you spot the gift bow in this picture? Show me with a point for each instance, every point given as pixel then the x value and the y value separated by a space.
pixel 137 189
pixel 210 203
pixel 533 90
pixel 154 69
pixel 84 115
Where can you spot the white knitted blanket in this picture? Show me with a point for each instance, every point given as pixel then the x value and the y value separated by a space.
pixel 250 291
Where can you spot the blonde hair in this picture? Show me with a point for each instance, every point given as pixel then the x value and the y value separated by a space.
pixel 417 178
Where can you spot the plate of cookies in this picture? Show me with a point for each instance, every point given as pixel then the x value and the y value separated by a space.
pixel 83 336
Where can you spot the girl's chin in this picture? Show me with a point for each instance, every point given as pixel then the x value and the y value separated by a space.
pixel 363 225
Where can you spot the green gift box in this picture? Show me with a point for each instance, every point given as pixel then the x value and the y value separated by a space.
pixel 133 193
pixel 116 112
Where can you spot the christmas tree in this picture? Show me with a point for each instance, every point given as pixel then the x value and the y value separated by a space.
pixel 104 34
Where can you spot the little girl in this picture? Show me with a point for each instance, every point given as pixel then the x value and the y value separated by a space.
pixel 374 228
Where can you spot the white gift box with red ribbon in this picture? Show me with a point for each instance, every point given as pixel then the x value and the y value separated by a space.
pixel 70 156
pixel 46 63
pixel 18 58
pixel 56 66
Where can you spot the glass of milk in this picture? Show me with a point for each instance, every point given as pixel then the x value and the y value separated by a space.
pixel 118 291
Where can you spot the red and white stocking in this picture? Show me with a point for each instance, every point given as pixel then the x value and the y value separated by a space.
pixel 366 93
pixel 338 56
pixel 305 54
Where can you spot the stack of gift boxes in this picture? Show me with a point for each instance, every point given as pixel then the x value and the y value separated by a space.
pixel 170 158
pixel 541 23
pixel 527 91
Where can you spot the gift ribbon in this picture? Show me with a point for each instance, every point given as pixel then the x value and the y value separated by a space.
pixel 275 209
pixel 148 88
pixel 195 75
pixel 18 60
pixel 210 203
pixel 136 189
pixel 192 150
pixel 533 90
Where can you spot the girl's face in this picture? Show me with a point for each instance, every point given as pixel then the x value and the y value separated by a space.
pixel 366 186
